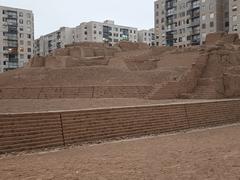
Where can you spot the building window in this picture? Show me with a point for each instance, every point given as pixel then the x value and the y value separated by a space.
pixel 29 56
pixel 203 26
pixel 204 17
pixel 226 24
pixel 235 28
pixel 204 36
pixel 234 18
pixel 211 24
pixel 21 14
pixel 29 43
pixel 28 22
pixel 28 15
pixel 21 56
pixel 21 21
pixel 28 29
pixel 21 29
pixel 21 49
pixel 29 50
pixel 21 42
pixel 234 8
pixel 211 15
pixel 21 35
pixel 29 36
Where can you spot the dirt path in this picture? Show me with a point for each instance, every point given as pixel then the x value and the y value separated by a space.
pixel 206 154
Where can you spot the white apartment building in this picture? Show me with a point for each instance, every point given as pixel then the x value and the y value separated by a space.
pixel 187 22
pixel 234 13
pixel 147 36
pixel 16 37
pixel 86 32
pixel 58 39
pixel 106 31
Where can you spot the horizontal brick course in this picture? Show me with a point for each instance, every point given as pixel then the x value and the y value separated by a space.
pixel 75 92
pixel 20 132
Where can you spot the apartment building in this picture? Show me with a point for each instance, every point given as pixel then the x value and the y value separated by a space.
pixel 234 14
pixel 57 39
pixel 16 37
pixel 187 22
pixel 106 31
pixel 147 36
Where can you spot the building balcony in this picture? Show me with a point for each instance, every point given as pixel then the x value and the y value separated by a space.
pixel 171 13
pixel 195 15
pixel 195 23
pixel 194 5
pixel 170 29
pixel 170 5
pixel 12 65
pixel 194 32
pixel 13 38
pixel 195 42
pixel 11 16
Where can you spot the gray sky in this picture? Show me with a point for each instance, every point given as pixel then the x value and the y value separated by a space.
pixel 51 14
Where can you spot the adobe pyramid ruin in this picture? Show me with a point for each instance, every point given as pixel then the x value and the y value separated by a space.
pixel 130 70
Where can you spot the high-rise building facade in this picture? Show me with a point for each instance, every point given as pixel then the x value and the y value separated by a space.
pixel 91 31
pixel 187 22
pixel 234 14
pixel 146 36
pixel 106 31
pixel 16 37
pixel 48 43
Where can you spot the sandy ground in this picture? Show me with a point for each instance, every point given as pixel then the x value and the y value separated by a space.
pixel 44 105
pixel 211 154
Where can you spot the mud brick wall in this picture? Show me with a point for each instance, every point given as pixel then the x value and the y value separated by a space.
pixel 20 132
pixel 213 114
pixel 75 92
pixel 86 126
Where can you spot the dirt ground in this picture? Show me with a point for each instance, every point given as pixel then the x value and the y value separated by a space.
pixel 210 154
pixel 43 105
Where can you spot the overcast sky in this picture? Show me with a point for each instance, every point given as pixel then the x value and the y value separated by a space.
pixel 51 14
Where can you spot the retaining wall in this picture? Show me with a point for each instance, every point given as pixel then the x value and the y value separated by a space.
pixel 20 132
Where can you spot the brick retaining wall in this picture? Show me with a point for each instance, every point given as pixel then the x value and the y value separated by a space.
pixel 20 132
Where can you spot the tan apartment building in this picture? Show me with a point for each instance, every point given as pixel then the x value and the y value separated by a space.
pixel 147 36
pixel 234 14
pixel 187 22
pixel 106 31
pixel 58 39
pixel 16 37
